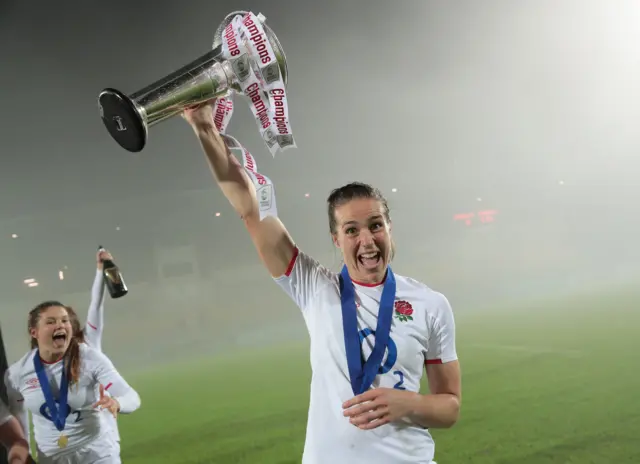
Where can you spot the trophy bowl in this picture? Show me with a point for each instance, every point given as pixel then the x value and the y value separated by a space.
pixel 129 117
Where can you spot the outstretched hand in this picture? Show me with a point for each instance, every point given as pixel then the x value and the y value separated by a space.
pixel 107 402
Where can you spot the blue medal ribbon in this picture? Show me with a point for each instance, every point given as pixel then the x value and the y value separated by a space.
pixel 58 413
pixel 363 375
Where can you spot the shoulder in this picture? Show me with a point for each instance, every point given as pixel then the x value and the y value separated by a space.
pixel 93 360
pixel 433 302
pixel 25 362
pixel 304 264
pixel 20 367
pixel 89 353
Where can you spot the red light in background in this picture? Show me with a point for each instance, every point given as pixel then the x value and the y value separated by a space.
pixel 487 215
pixel 465 217
pixel 484 216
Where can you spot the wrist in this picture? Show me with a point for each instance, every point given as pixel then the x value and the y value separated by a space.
pixel 204 127
pixel 415 405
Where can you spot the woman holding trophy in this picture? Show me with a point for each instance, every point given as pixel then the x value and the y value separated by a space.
pixel 360 412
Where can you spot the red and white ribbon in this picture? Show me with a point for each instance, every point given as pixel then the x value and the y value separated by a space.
pixel 222 112
pixel 246 47
pixel 265 191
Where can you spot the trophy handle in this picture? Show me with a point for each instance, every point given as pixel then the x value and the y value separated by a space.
pixel 122 119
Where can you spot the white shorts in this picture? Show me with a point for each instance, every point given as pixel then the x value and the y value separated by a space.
pixel 103 450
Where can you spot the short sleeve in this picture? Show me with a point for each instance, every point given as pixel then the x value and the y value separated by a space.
pixel 303 278
pixel 442 337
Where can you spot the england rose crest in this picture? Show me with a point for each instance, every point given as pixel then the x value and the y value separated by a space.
pixel 403 311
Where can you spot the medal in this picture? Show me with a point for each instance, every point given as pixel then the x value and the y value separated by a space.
pixel 58 411
pixel 362 374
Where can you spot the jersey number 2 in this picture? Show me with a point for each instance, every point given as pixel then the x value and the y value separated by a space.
pixel 44 410
pixel 392 356
pixel 400 384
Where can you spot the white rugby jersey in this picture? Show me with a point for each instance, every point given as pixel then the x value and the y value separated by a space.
pixel 84 423
pixel 93 336
pixel 422 331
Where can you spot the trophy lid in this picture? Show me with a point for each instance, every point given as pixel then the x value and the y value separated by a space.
pixel 271 36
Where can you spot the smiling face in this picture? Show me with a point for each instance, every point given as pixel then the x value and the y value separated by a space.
pixel 363 234
pixel 52 331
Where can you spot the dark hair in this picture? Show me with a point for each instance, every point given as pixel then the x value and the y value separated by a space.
pixel 78 332
pixel 72 355
pixel 346 193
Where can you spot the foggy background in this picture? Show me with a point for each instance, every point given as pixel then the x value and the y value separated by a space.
pixel 508 130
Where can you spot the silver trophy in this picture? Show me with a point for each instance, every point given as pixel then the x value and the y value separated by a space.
pixel 128 118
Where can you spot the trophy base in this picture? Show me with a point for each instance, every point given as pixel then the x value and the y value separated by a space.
pixel 122 119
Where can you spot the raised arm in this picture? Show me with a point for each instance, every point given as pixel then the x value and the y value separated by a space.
pixel 95 316
pixel 270 237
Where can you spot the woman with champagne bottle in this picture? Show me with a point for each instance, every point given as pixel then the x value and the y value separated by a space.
pixel 92 333
pixel 106 273
pixel 69 425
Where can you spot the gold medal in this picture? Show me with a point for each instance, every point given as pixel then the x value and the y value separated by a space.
pixel 63 441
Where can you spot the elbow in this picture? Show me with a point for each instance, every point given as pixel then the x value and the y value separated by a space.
pixel 448 423
pixel 18 452
pixel 12 435
pixel 20 445
pixel 447 414
pixel 137 402
pixel 438 411
pixel 453 413
pixel 129 403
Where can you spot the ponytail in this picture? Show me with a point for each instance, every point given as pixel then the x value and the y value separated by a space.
pixel 72 361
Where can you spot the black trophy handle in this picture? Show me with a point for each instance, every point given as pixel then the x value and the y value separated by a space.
pixel 122 120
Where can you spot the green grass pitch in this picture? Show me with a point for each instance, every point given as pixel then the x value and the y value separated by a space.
pixel 543 383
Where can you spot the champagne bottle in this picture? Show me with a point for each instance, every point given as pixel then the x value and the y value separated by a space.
pixel 113 278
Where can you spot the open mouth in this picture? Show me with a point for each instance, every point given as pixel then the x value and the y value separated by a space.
pixel 370 260
pixel 59 338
